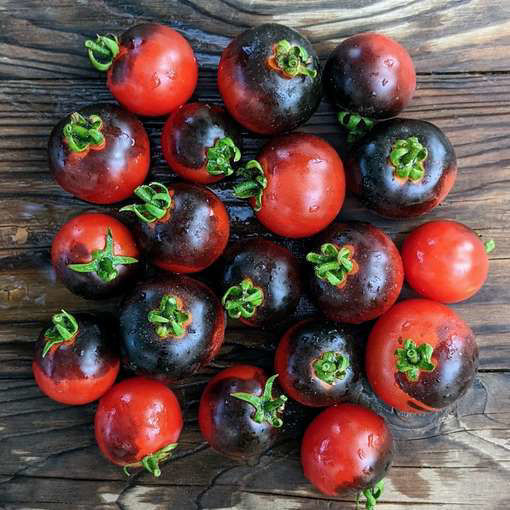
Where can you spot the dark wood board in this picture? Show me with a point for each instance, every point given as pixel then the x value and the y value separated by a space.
pixel 459 458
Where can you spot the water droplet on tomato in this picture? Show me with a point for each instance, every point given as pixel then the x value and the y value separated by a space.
pixel 155 81
pixel 384 82
pixel 313 208
pixel 389 62
pixel 361 453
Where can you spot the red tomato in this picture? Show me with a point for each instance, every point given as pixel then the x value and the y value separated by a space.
pixel 420 356
pixel 445 261
pixel 304 185
pixel 94 255
pixel 138 423
pixel 151 68
pixel 346 447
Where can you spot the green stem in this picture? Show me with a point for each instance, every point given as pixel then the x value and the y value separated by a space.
pixel 356 125
pixel 221 156
pixel 254 183
pixel 157 202
pixel 332 264
pixel 371 495
pixel 489 245
pixel 65 327
pixel 105 48
pixel 411 359
pixel 242 300
pixel 80 132
pixel 331 366
pixel 292 60
pixel 407 157
pixel 151 462
pixel 104 262
pixel 266 407
pixel 169 319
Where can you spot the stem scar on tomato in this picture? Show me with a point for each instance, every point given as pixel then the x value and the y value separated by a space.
pixel 243 300
pixel 333 264
pixel 169 319
pixel 157 202
pixel 65 329
pixel 411 359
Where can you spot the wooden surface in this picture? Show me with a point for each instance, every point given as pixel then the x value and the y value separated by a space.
pixel 48 457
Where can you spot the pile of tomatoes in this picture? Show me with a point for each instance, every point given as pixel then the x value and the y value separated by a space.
pixel 420 355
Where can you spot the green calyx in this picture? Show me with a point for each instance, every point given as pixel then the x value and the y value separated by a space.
pixel 151 462
pixel 104 262
pixel 489 246
pixel 102 51
pixel 242 301
pixel 356 125
pixel 266 407
pixel 332 264
pixel 331 367
pixel 411 359
pixel 65 327
pixel 82 132
pixel 254 183
pixel 169 319
pixel 221 156
pixel 371 495
pixel 157 202
pixel 407 157
pixel 293 60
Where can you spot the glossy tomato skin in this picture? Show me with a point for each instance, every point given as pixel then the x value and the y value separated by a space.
pixel 191 236
pixel 372 176
pixel 370 74
pixel 455 356
pixel 347 446
pixel 260 98
pixel 155 71
pixel 375 284
pixel 305 343
pixel 102 174
pixel 305 185
pixel 226 422
pixel 445 261
pixel 188 134
pixel 79 370
pixel 272 268
pixel 137 417
pixel 171 358
pixel 78 239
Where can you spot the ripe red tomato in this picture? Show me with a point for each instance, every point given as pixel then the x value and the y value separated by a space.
pixel 151 68
pixel 296 186
pixel 138 423
pixel 445 261
pixel 420 356
pixel 94 255
pixel 347 447
pixel 99 154
pixel 76 358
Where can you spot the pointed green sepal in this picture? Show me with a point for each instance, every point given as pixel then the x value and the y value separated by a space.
pixel 169 319
pixel 221 156
pixel 253 184
pixel 356 125
pixel 242 301
pixel 102 51
pixel 293 60
pixel 371 495
pixel 157 202
pixel 332 264
pixel 407 157
pixel 82 132
pixel 411 359
pixel 65 327
pixel 331 367
pixel 151 462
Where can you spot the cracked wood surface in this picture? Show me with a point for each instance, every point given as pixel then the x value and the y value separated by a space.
pixel 459 458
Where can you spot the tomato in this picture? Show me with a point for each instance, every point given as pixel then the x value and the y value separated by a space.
pixel 269 78
pixel 238 414
pixel 402 168
pixel 296 186
pixel 171 327
pixel 94 255
pixel 76 358
pixel 151 69
pixel 319 362
pixel 138 423
pixel 183 229
pixel 420 356
pixel 99 154
pixel 260 282
pixel 445 261
pixel 347 447
pixel 357 272
pixel 201 143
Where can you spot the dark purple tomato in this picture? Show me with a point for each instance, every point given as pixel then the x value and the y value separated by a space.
pixel 319 362
pixel 402 168
pixel 261 283
pixel 76 358
pixel 269 79
pixel 357 272
pixel 183 228
pixel 99 154
pixel 201 143
pixel 238 415
pixel 171 327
